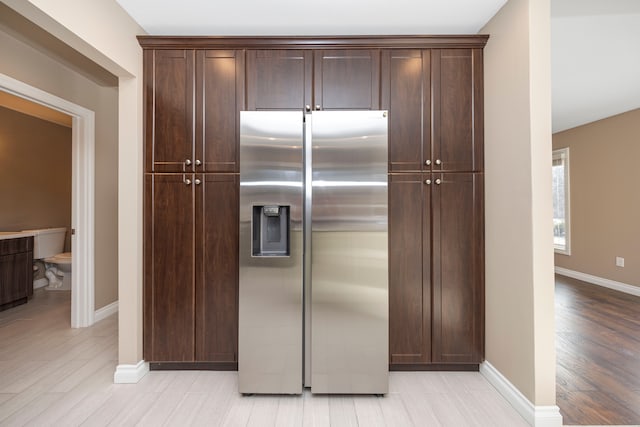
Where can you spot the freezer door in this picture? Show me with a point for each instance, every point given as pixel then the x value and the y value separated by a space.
pixel 270 294
pixel 349 279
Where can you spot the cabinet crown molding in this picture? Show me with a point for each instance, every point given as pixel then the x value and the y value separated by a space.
pixel 314 42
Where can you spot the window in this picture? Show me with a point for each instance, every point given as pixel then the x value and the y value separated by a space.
pixel 560 170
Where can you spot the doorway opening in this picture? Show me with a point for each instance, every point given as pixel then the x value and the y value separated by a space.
pixel 82 194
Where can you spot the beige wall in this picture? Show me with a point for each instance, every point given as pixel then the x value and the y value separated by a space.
pixel 35 173
pixel 604 197
pixel 25 63
pixel 105 33
pixel 519 258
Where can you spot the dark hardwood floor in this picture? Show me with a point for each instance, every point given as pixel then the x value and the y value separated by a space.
pixel 598 354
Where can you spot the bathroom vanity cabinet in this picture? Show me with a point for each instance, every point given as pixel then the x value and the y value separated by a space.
pixel 16 271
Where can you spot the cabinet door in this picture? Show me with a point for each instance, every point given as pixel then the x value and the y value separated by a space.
pixel 219 100
pixel 23 274
pixel 409 271
pixel 279 79
pixel 169 268
pixel 347 79
pixel 16 277
pixel 406 93
pixel 457 115
pixel 217 269
pixel 458 272
pixel 169 110
pixel 8 291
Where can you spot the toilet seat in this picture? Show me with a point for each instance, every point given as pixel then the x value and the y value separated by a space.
pixel 63 258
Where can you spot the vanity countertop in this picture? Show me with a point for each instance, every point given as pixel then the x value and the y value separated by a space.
pixel 14 234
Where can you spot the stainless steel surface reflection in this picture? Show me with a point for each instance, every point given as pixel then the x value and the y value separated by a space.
pixel 349 272
pixel 270 309
pixel 334 185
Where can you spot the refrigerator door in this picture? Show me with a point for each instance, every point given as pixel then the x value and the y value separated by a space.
pixel 270 294
pixel 349 279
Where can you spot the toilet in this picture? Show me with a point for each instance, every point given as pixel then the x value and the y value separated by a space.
pixel 62 263
pixel 51 266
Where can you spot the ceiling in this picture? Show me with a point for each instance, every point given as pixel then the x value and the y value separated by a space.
pixel 595 60
pixel 40 111
pixel 324 17
pixel 595 52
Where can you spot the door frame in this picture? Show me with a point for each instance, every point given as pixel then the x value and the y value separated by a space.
pixel 82 195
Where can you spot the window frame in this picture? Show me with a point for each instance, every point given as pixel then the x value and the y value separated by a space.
pixel 563 154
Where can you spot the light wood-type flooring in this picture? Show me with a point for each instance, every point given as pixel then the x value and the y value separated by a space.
pixel 598 354
pixel 53 375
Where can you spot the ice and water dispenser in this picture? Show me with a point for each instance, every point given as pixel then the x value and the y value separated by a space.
pixel 270 231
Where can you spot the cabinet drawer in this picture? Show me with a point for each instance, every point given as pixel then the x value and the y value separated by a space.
pixel 14 246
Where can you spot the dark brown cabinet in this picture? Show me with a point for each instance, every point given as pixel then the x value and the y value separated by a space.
pixel 193 102
pixel 434 98
pixel 457 267
pixel 279 79
pixel 217 268
pixel 191 268
pixel 195 88
pixel 346 79
pixel 169 105
pixel 457 128
pixel 406 93
pixel 409 270
pixel 436 271
pixel 16 271
pixel 219 100
pixel 436 299
pixel 169 320
pixel 321 79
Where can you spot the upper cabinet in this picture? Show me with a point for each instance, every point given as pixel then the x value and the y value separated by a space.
pixel 169 104
pixel 279 79
pixel 406 93
pixel 313 79
pixel 219 100
pixel 346 79
pixel 457 131
pixel 193 99
pixel 434 98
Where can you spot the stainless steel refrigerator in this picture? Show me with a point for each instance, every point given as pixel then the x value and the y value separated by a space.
pixel 313 298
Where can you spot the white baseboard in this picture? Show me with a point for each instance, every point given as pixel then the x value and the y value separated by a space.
pixel 536 416
pixel 607 283
pixel 130 374
pixel 106 311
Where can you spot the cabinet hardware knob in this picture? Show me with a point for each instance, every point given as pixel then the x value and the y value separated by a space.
pixel 438 162
pixel 307 108
pixel 438 181
pixel 198 162
pixel 317 107
pixel 428 182
pixel 187 181
pixel 197 181
pixel 427 162
pixel 187 162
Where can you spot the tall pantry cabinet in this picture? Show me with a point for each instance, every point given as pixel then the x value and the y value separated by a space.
pixel 436 228
pixel 193 99
pixel 194 90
